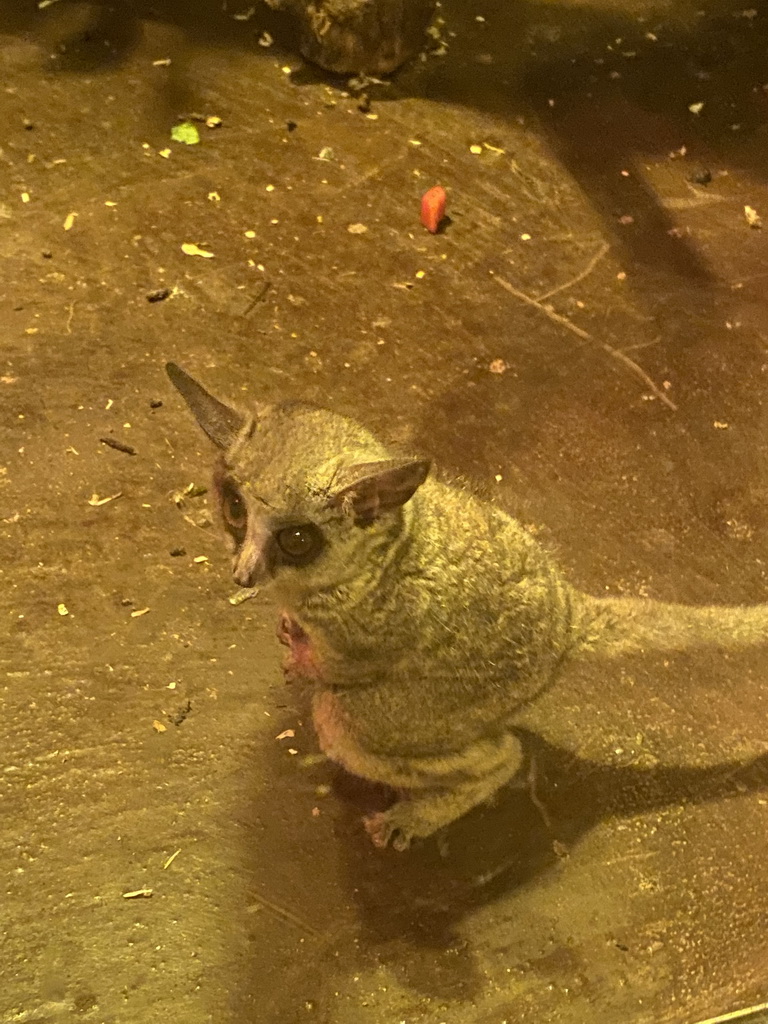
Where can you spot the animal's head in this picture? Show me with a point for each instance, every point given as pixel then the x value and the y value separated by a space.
pixel 305 496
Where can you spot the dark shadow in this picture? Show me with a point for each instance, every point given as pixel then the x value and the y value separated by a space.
pixel 104 35
pixel 404 911
pixel 609 92
pixel 606 90
pixel 411 904
pixel 101 44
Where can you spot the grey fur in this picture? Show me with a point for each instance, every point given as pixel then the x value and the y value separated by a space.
pixel 425 625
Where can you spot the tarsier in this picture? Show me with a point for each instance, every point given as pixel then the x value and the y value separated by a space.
pixel 423 617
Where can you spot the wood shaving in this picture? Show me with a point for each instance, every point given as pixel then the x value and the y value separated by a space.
pixel 95 500
pixel 190 249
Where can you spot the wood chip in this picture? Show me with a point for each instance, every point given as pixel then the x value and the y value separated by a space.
pixel 190 249
pixel 243 595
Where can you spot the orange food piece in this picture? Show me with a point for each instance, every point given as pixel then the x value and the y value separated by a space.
pixel 433 208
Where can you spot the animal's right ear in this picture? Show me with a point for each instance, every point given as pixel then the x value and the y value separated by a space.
pixel 221 423
pixel 370 488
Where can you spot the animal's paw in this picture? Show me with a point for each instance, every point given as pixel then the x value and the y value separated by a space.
pixel 291 674
pixel 388 828
pixel 283 631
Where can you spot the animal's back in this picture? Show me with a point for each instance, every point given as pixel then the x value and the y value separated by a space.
pixel 474 621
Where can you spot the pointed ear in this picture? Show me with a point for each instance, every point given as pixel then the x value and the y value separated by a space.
pixel 370 488
pixel 220 423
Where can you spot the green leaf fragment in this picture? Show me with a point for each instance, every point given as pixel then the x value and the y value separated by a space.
pixel 185 132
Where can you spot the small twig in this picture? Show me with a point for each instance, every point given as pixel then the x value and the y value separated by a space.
pixel 543 309
pixel 615 353
pixel 533 793
pixel 262 903
pixel 111 442
pixel 641 344
pixel 748 1011
pixel 639 371
pixel 71 308
pixel 489 876
pixel 602 251
pixel 171 859
pixel 260 294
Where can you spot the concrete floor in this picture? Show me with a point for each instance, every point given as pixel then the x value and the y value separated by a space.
pixel 640 894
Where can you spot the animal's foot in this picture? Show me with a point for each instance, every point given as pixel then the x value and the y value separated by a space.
pixel 487 766
pixel 385 829
pixel 409 819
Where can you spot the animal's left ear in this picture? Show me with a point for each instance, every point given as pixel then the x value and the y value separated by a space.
pixel 221 423
pixel 370 488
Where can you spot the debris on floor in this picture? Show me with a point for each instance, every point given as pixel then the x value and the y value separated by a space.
pixel 752 217
pixel 433 204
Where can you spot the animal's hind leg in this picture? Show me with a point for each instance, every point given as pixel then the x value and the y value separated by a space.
pixel 427 809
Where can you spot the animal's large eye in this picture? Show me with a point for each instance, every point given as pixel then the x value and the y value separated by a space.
pixel 300 544
pixel 233 506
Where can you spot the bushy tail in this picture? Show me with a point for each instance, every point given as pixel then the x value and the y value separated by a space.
pixel 613 626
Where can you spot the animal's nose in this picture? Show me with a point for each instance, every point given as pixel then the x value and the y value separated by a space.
pixel 250 566
pixel 245 578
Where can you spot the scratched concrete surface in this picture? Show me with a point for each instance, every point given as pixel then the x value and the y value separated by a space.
pixel 628 425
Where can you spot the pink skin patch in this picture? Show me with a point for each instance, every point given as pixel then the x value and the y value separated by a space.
pixel 301 661
pixel 302 665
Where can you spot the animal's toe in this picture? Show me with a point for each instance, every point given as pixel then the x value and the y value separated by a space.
pixel 378 828
pixel 384 830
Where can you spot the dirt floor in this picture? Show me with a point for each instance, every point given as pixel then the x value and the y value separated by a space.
pixel 588 340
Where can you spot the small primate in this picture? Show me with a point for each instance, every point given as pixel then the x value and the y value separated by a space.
pixel 422 617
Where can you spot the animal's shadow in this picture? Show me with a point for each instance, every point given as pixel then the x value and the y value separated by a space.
pixel 411 905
